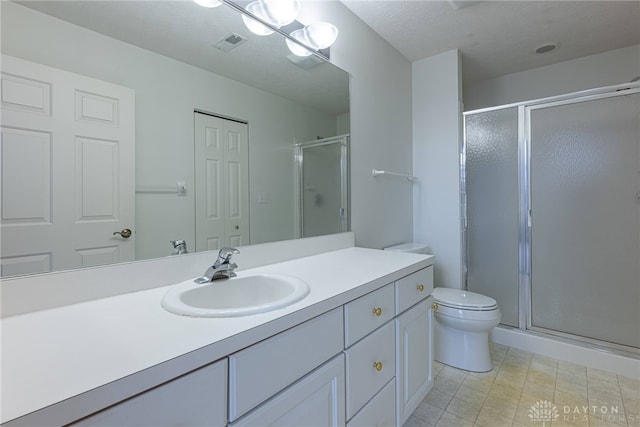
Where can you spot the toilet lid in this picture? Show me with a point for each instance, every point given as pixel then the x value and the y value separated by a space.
pixel 457 298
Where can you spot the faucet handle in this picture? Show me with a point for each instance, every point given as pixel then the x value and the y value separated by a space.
pixel 226 253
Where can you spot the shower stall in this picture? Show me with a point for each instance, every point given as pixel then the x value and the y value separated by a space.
pixel 322 183
pixel 551 213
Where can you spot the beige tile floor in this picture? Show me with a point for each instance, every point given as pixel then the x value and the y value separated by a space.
pixel 525 389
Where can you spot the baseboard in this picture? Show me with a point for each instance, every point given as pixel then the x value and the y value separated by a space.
pixel 582 355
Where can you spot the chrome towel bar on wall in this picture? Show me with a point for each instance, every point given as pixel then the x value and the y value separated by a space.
pixel 410 178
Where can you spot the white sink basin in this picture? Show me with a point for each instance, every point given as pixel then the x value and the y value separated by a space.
pixel 239 296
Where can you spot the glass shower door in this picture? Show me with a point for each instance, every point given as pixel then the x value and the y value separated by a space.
pixel 585 218
pixel 490 175
pixel 323 186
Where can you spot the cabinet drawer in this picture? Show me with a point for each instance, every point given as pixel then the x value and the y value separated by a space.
pixel 315 400
pixel 197 398
pixel 380 411
pixel 258 372
pixel 367 313
pixel 371 363
pixel 413 288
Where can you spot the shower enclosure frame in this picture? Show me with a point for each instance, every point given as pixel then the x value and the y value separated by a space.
pixel 524 110
pixel 343 141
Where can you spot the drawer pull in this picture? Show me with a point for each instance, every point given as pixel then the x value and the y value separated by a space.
pixel 420 287
pixel 434 306
pixel 378 366
pixel 377 311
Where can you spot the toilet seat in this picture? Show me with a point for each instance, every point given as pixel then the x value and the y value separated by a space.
pixel 463 300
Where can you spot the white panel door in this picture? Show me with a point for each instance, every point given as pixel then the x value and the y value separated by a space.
pixel 221 182
pixel 67 181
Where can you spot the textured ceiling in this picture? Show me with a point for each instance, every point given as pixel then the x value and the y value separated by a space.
pixel 499 37
pixel 494 37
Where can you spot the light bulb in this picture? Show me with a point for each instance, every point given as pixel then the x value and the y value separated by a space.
pixel 294 47
pixel 208 3
pixel 321 35
pixel 257 9
pixel 281 12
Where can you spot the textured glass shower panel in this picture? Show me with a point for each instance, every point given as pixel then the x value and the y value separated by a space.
pixel 322 190
pixel 585 236
pixel 491 177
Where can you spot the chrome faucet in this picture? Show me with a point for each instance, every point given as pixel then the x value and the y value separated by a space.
pixel 222 268
pixel 179 247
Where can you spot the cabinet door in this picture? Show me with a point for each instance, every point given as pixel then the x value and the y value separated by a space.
pixel 198 398
pixel 315 400
pixel 380 411
pixel 414 331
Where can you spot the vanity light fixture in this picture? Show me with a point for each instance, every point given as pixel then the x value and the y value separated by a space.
pixel 276 12
pixel 281 12
pixel 257 8
pixel 208 3
pixel 321 35
pixel 295 48
pixel 317 35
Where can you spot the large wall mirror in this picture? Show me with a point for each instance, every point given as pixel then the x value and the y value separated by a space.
pixel 191 78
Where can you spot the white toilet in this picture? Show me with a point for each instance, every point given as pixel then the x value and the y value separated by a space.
pixel 463 322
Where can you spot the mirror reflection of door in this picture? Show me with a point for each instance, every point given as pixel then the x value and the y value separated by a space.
pixel 221 182
pixel 68 147
pixel 323 186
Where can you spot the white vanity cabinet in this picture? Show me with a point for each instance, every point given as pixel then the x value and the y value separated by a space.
pixel 195 399
pixel 414 341
pixel 358 354
pixel 388 348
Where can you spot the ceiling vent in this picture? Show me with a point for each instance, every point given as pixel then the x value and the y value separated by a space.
pixel 231 41
pixel 547 47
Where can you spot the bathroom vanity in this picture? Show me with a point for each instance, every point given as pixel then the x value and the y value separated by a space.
pixel 356 351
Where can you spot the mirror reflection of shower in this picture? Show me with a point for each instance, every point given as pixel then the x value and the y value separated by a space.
pixel 322 187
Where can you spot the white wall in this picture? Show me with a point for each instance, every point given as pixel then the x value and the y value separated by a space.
pixel 604 69
pixel 436 143
pixel 167 91
pixel 381 213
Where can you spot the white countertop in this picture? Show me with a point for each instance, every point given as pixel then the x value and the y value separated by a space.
pixel 52 355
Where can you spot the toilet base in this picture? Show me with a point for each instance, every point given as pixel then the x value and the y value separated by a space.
pixel 462 349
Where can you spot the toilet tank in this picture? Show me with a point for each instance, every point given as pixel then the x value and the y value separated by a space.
pixel 411 247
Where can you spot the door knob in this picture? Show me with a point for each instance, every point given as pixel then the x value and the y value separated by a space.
pixel 125 233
